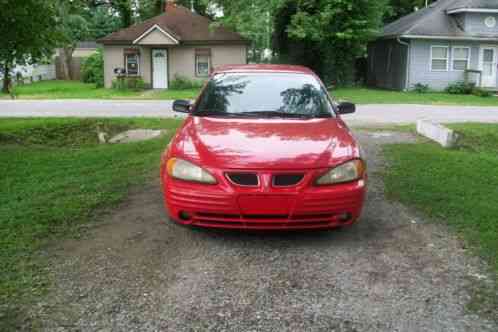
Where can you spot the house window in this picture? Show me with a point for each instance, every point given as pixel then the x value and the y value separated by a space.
pixel 202 62
pixel 132 65
pixel 461 58
pixel 439 58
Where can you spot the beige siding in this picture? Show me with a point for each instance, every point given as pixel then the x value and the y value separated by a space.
pixel 156 37
pixel 182 58
pixel 145 65
pixel 113 58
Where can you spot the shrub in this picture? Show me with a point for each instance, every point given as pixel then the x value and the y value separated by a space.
pixel 184 83
pixel 482 93
pixel 92 70
pixel 421 88
pixel 128 83
pixel 460 88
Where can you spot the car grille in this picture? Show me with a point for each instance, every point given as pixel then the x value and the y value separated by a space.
pixel 287 180
pixel 244 179
pixel 263 221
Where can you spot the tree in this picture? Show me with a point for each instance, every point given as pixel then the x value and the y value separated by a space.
pixel 122 7
pixel 252 19
pixel 400 8
pixel 101 21
pixel 28 34
pixel 150 8
pixel 74 28
pixel 327 35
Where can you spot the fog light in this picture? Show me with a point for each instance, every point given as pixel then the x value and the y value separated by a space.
pixel 185 216
pixel 345 217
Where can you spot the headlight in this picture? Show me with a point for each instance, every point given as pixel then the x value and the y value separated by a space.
pixel 184 170
pixel 347 172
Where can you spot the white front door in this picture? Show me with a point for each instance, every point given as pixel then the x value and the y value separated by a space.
pixel 489 66
pixel 159 69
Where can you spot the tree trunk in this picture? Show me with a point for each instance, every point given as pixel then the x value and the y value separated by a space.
pixel 6 79
pixel 67 61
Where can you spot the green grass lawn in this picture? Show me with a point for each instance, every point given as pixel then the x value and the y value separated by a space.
pixel 458 186
pixel 79 90
pixel 55 176
pixel 377 96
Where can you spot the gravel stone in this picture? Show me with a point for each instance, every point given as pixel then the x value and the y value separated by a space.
pixel 135 271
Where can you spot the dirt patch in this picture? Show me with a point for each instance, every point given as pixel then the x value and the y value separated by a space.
pixel 137 272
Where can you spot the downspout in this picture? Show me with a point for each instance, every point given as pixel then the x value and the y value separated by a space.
pixel 408 62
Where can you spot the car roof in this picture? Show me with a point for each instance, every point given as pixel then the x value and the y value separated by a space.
pixel 263 68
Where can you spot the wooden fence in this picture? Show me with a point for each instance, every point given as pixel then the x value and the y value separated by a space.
pixel 75 68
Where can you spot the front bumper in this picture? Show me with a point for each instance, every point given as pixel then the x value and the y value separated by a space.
pixel 229 206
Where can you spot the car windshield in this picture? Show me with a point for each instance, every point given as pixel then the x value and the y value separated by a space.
pixel 285 95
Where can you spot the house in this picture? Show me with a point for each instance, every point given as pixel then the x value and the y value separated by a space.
pixel 176 43
pixel 449 41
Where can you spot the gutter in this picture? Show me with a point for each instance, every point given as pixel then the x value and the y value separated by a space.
pixel 470 38
pixel 408 61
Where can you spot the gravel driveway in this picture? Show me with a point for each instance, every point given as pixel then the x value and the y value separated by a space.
pixel 366 114
pixel 390 272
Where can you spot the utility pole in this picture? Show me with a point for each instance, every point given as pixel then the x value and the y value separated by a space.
pixel 192 6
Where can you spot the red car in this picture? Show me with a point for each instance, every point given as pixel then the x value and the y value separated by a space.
pixel 264 147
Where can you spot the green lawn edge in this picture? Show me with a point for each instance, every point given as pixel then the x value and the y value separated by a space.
pixel 52 186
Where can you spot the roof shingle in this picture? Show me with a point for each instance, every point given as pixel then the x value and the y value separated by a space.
pixel 181 23
pixel 435 20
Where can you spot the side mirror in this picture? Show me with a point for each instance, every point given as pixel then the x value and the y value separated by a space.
pixel 181 106
pixel 346 108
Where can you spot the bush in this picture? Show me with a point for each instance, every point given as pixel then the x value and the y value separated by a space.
pixel 92 70
pixel 128 83
pixel 184 83
pixel 482 93
pixel 461 88
pixel 421 88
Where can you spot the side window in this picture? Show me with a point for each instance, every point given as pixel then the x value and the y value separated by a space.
pixel 202 62
pixel 132 65
pixel 439 58
pixel 461 58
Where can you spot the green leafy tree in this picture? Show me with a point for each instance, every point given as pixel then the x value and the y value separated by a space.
pixel 327 35
pixel 123 8
pixel 150 8
pixel 400 8
pixel 101 21
pixel 27 34
pixel 74 28
pixel 251 18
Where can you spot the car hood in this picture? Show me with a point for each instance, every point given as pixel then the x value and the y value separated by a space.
pixel 264 143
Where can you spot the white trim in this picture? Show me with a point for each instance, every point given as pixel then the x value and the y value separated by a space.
pixel 447 47
pixel 481 62
pixel 152 28
pixel 490 22
pixel 453 58
pixel 491 39
pixel 472 10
